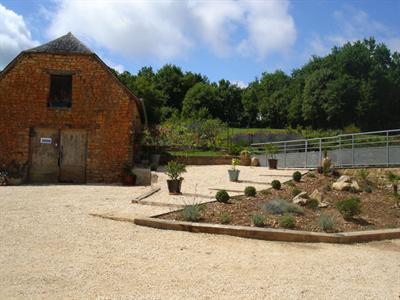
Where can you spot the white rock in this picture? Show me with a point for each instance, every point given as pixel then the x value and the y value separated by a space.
pixel 323 204
pixel 344 178
pixel 316 195
pixel 355 185
pixel 341 186
pixel 301 198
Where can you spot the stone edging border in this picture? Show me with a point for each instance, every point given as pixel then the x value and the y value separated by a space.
pixel 272 234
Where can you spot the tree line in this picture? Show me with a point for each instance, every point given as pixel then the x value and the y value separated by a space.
pixel 355 84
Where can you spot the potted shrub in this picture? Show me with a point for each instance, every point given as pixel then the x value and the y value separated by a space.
pixel 128 177
pixel 174 171
pixel 234 173
pixel 245 159
pixel 3 177
pixel 270 152
pixel 326 163
pixel 17 173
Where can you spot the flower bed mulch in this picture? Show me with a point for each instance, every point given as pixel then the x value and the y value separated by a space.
pixel 378 208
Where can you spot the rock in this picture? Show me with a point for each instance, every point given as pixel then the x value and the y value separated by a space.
pixel 344 178
pixel 301 198
pixel 323 204
pixel 355 186
pixel 255 162
pixel 341 186
pixel 154 178
pixel 316 195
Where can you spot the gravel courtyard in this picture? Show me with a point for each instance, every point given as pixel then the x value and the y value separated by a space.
pixel 51 248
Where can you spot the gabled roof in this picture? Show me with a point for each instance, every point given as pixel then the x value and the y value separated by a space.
pixel 69 44
pixel 65 44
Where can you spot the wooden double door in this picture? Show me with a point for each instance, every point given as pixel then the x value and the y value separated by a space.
pixel 58 155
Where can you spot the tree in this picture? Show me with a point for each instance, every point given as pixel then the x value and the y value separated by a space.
pixel 202 101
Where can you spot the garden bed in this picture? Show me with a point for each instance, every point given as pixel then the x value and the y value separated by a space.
pixel 378 210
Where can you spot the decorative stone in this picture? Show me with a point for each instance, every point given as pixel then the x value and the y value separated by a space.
pixel 344 178
pixel 355 186
pixel 316 195
pixel 323 204
pixel 255 162
pixel 301 198
pixel 341 186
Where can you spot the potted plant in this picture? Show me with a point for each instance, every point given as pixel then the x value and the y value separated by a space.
pixel 270 152
pixel 17 173
pixel 128 177
pixel 234 173
pixel 245 159
pixel 3 177
pixel 174 170
pixel 326 163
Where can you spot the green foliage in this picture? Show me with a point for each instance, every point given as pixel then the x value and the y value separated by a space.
pixel 312 203
pixel 363 174
pixel 354 87
pixel 349 207
pixel 258 220
pixel 326 222
pixel 295 192
pixel 271 150
pixel 281 206
pixel 250 191
pixel 311 175
pixel 235 162
pixel 276 184
pixel 222 196
pixel 225 217
pixel 127 169
pixel 286 221
pixel 192 212
pixel 290 183
pixel 367 189
pixel 296 176
pixel 175 169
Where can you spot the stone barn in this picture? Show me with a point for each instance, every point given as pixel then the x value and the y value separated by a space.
pixel 65 116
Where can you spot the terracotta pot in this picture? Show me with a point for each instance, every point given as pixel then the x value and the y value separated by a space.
pixel 273 163
pixel 128 180
pixel 174 186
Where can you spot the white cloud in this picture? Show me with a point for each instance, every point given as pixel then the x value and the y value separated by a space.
pixel 14 35
pixel 270 28
pixel 353 25
pixel 240 83
pixel 172 28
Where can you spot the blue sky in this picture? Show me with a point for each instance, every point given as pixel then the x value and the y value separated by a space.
pixel 234 40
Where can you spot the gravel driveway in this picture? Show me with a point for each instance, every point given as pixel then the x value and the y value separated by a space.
pixel 51 248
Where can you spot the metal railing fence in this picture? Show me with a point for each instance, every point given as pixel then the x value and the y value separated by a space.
pixel 375 148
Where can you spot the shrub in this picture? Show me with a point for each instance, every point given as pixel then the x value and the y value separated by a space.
pixel 286 221
pixel 311 175
pixel 349 207
pixel 258 220
pixel 295 192
pixel 326 222
pixel 276 184
pixel 281 206
pixel 175 169
pixel 225 217
pixel 222 196
pixel 250 191
pixel 368 189
pixel 192 212
pixel 312 203
pixel 296 176
pixel 290 183
pixel 363 174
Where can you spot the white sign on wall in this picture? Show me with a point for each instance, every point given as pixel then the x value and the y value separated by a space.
pixel 47 141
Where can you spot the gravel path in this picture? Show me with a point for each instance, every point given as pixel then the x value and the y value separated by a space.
pixel 50 248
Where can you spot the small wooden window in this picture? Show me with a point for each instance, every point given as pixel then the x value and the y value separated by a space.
pixel 60 91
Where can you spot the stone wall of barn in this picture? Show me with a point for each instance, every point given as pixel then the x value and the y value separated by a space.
pixel 99 105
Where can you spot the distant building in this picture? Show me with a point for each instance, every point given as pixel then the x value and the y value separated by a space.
pixel 66 115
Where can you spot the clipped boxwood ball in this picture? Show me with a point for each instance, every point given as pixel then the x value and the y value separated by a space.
pixel 222 196
pixel 250 191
